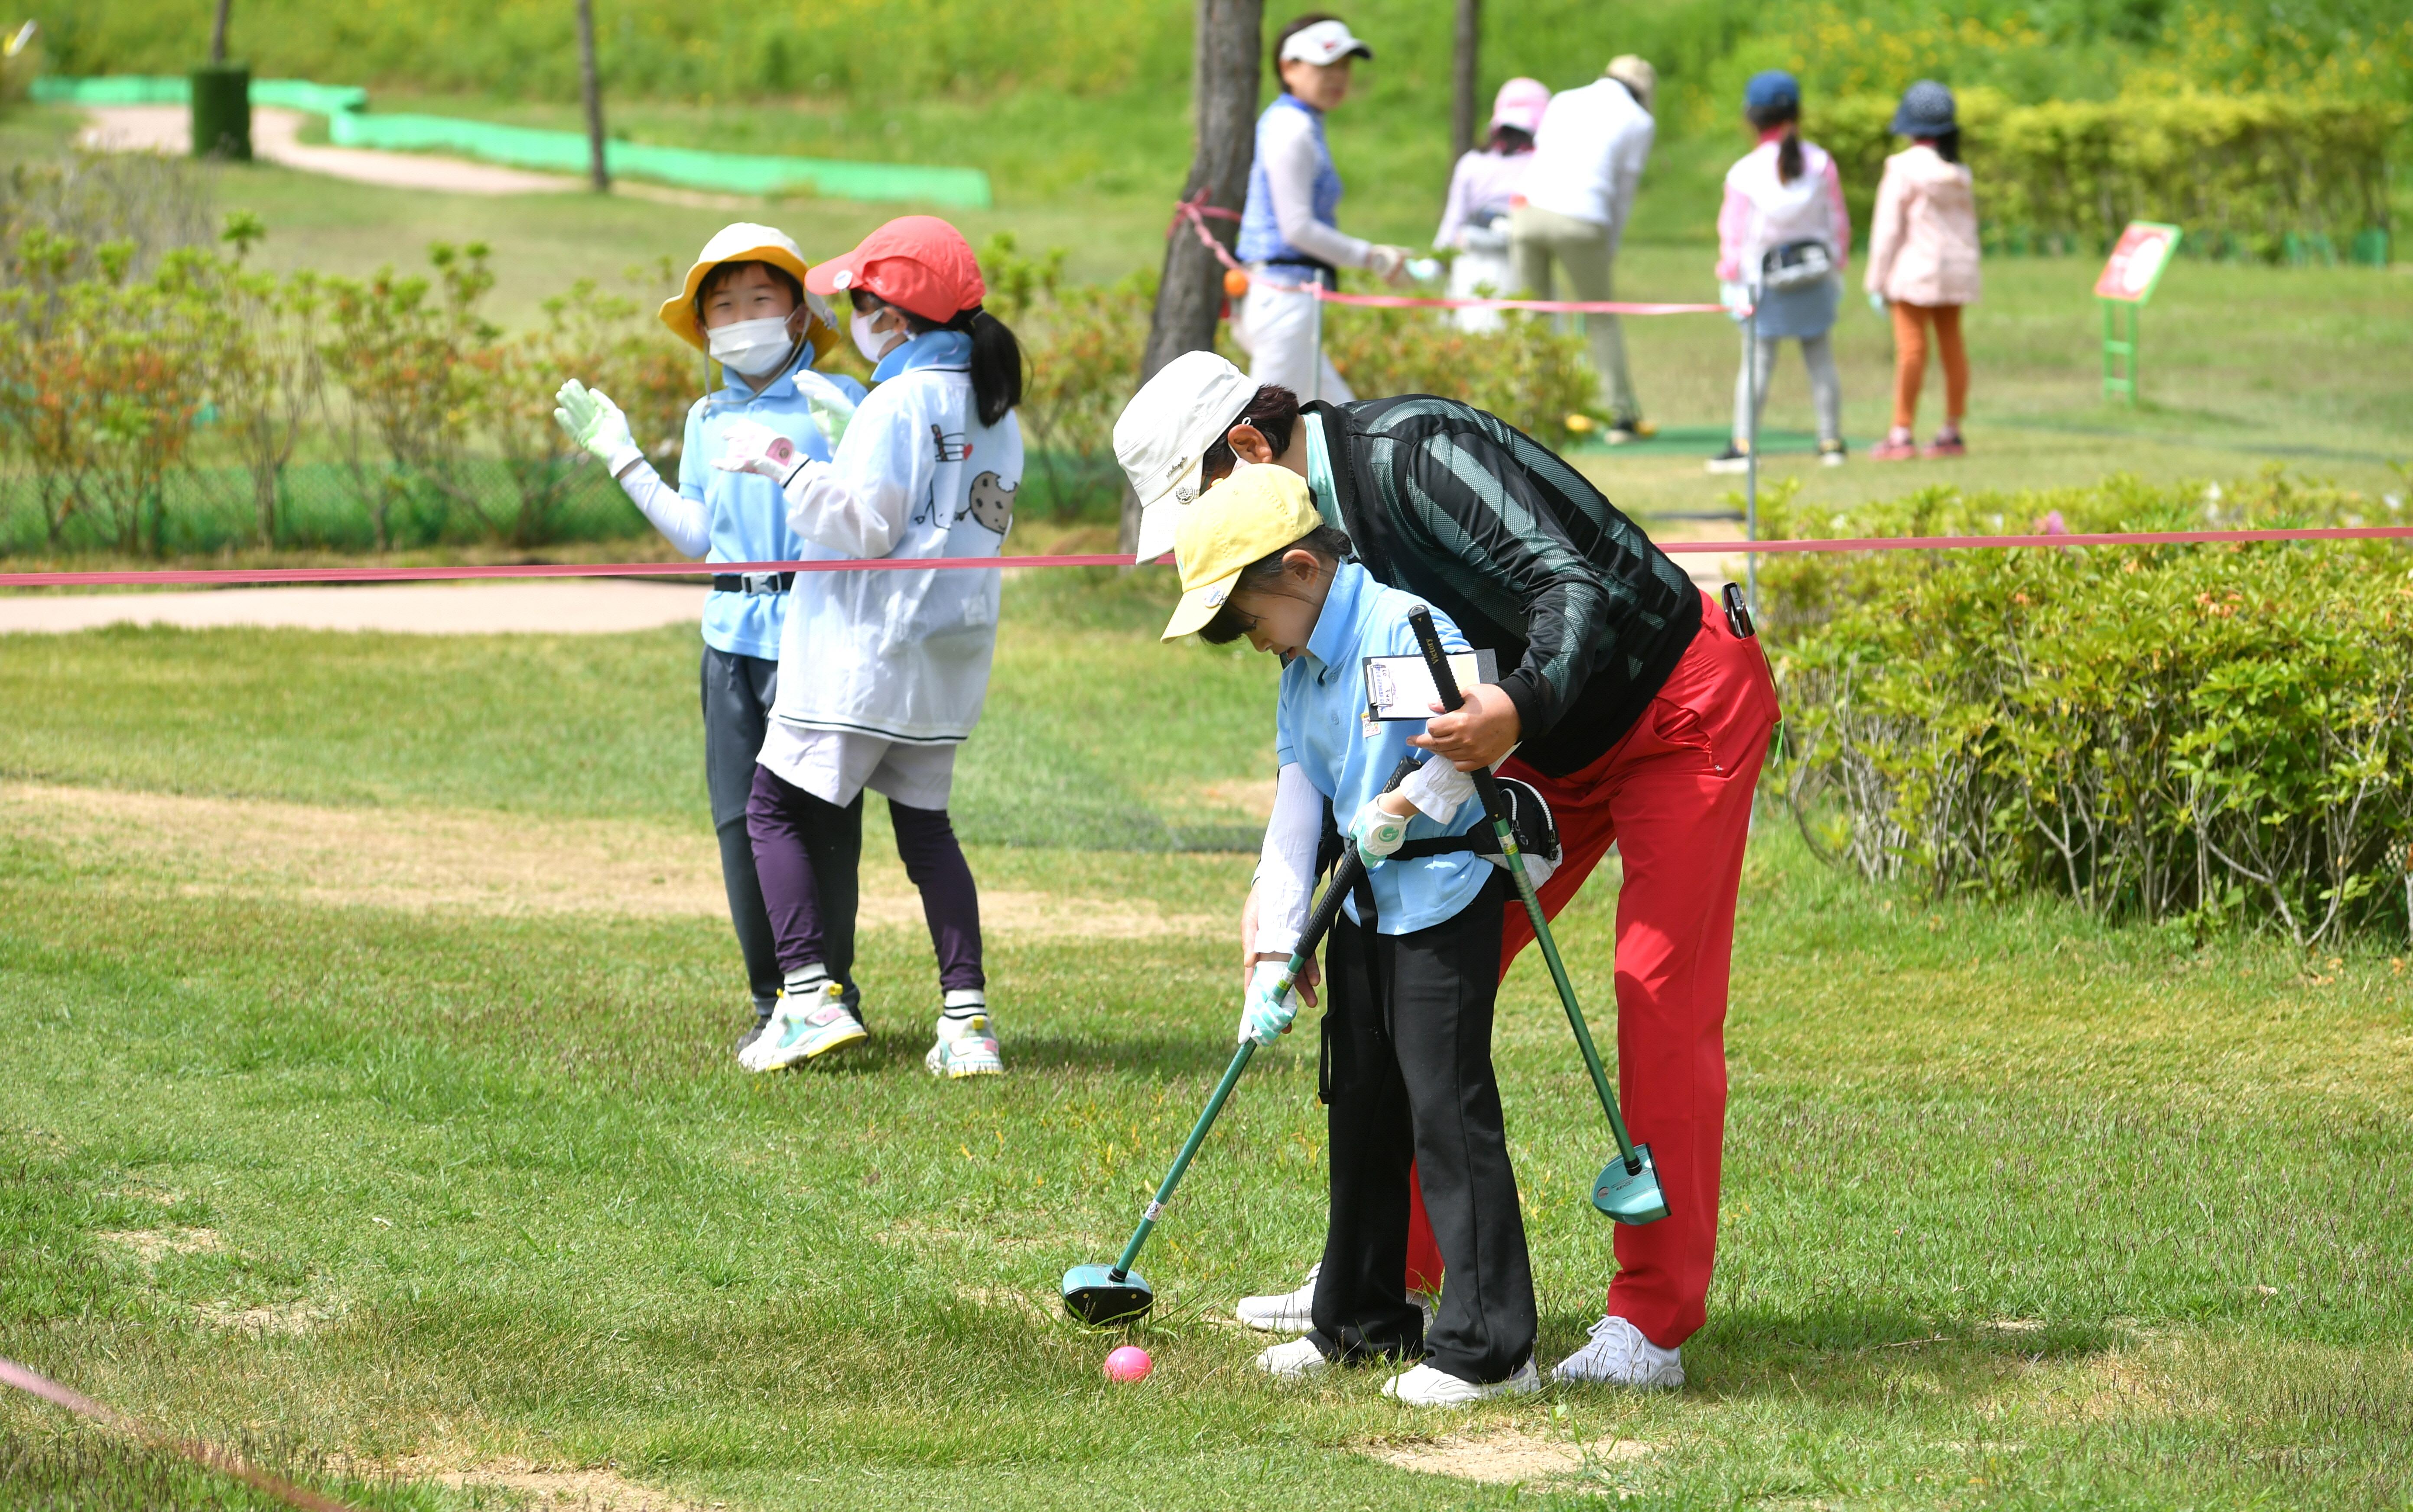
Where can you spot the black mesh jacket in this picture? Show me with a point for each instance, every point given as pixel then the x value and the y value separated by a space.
pixel 1495 530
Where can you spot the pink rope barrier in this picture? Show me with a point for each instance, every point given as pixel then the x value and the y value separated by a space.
pixel 258 577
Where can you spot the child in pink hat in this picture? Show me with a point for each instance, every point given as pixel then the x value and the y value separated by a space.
pixel 1474 221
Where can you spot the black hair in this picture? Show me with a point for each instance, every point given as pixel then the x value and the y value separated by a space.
pixel 1273 411
pixel 724 271
pixel 1947 144
pixel 1298 24
pixel 1509 140
pixel 997 356
pixel 1784 113
pixel 1330 542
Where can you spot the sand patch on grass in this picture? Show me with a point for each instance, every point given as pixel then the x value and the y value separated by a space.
pixel 600 1490
pixel 153 1246
pixel 284 1320
pixel 451 860
pixel 1504 1456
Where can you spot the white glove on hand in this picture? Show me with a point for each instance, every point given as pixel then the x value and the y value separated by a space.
pixel 755 447
pixel 596 423
pixel 1265 1017
pixel 1437 789
pixel 1378 832
pixel 1387 262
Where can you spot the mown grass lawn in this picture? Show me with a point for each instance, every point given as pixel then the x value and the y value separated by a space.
pixel 2020 1211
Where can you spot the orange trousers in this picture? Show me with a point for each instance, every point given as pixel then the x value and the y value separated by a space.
pixel 1910 323
pixel 1675 796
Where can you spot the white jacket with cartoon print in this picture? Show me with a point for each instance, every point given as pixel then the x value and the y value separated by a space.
pixel 898 652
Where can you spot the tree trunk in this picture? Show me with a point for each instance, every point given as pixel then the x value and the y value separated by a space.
pixel 218 35
pixel 1223 91
pixel 594 90
pixel 1465 78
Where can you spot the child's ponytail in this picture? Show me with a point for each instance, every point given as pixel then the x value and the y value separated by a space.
pixel 996 363
pixel 1788 155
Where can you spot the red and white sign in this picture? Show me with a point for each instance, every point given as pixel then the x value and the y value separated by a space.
pixel 2137 262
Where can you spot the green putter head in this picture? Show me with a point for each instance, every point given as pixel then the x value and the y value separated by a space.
pixel 1096 1296
pixel 1628 1197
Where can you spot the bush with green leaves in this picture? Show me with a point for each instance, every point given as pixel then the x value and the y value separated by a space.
pixel 2218 735
pixel 1530 373
pixel 2250 176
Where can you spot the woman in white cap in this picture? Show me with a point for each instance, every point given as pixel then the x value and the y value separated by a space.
pixel 744 304
pixel 1474 221
pixel 1288 237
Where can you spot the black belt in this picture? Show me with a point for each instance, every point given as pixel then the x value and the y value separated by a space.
pixel 1326 273
pixel 752 582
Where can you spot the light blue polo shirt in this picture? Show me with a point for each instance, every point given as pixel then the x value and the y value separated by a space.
pixel 1320 724
pixel 750 514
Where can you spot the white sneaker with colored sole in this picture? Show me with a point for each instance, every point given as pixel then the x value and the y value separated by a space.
pixel 804 1028
pixel 967 1044
pixel 1425 1387
pixel 1619 1354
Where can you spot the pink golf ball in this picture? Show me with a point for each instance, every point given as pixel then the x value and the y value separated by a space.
pixel 1129 1363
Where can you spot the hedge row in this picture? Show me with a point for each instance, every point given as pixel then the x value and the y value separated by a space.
pixel 2252 176
pixel 2214 736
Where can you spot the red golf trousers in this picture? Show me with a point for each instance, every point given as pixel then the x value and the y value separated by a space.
pixel 1675 796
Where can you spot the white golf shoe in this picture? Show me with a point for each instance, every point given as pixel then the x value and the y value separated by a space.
pixel 1292 1361
pixel 1620 1355
pixel 1290 1312
pixel 1425 1387
pixel 806 1026
pixel 967 1042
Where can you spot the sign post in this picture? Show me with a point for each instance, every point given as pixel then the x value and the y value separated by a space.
pixel 2128 280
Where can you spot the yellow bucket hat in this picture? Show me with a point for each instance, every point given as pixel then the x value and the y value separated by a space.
pixel 748 242
pixel 1253 513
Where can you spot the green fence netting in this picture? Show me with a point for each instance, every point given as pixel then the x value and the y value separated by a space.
pixel 350 124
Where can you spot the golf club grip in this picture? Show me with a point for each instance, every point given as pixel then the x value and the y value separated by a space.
pixel 1436 659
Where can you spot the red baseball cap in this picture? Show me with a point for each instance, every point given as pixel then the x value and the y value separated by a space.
pixel 918 263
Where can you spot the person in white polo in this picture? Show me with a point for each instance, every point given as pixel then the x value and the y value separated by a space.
pixel 1288 236
pixel 1588 159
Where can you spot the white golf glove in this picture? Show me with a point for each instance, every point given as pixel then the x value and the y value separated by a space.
pixel 1387 263
pixel 755 447
pixel 1378 832
pixel 596 423
pixel 1265 1017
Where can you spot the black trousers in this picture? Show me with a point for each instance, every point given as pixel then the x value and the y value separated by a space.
pixel 1408 1037
pixel 737 696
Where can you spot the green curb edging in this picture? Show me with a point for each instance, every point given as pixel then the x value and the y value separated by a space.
pixel 349 124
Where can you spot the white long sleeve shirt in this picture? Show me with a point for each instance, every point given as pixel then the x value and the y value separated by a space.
pixel 1287 147
pixel 1589 155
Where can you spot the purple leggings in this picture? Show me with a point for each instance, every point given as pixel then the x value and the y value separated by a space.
pixel 805 857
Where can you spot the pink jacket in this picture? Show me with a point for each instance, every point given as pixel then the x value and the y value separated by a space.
pixel 1923 237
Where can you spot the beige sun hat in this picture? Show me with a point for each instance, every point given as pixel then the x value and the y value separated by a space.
pixel 745 242
pixel 1635 74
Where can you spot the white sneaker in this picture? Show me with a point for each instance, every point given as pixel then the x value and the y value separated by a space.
pixel 1291 1311
pixel 1293 1360
pixel 806 1026
pixel 967 1045
pixel 1620 1355
pixel 1425 1387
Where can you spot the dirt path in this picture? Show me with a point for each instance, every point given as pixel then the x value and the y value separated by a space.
pixel 591 606
pixel 488 863
pixel 277 137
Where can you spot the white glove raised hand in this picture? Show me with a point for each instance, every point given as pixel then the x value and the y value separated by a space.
pixel 1378 832
pixel 594 422
pixel 1265 1017
pixel 755 447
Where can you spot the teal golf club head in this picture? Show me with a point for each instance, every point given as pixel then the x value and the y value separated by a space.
pixel 1100 1295
pixel 1628 1197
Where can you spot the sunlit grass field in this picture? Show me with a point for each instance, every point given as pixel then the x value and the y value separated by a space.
pixel 397 1185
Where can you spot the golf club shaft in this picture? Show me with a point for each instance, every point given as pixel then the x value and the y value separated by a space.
pixel 1318 924
pixel 1494 804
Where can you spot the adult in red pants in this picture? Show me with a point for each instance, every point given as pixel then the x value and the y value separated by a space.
pixel 1627 700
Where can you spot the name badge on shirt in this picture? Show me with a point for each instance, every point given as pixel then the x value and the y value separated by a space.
pixel 1402 687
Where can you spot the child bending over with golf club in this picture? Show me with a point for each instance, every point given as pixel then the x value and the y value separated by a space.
pixel 883 673
pixel 1412 963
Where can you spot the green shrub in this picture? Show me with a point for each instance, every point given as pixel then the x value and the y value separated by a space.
pixel 1528 373
pixel 2218 734
pixel 2242 173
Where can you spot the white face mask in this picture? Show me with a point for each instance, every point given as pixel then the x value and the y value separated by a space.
pixel 873 344
pixel 752 348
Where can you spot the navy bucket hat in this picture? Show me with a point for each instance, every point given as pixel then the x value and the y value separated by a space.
pixel 1771 90
pixel 1926 110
